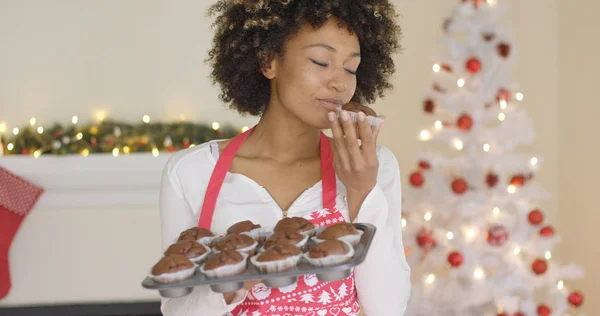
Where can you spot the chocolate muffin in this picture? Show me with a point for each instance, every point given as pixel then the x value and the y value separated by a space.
pixel 297 224
pixel 224 263
pixel 330 252
pixel 172 268
pixel 195 234
pixel 190 249
pixel 290 237
pixel 242 227
pixel 343 231
pixel 238 242
pixel 277 258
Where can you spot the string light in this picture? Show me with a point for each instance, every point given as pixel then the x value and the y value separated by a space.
pixel 100 116
pixel 450 235
pixel 548 255
pixel 40 130
pixel 32 121
pixel 511 189
pixel 486 147
pixel 560 285
pixel 503 104
pixel 458 144
pixel 245 129
pixel 155 152
pixel 501 116
pixel 533 161
pixel 79 136
pixel 430 278
pixel 478 273
pixel 2 128
pixel 115 152
pixel 37 153
pixel 496 211
pixel 216 125
pixel 438 125
pixel 516 251
pixel 436 68
pixel 85 152
pixel 470 233
pixel 404 222
pixel 460 82
pixel 425 135
pixel 126 149
pixel 16 131
pixel 427 216
pixel 519 96
pixel 146 119
pixel 10 146
pixel 182 117
pixel 490 2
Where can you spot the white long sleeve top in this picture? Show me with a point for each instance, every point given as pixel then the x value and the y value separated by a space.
pixel 382 280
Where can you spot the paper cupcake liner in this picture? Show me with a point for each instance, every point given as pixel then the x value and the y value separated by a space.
pixel 351 239
pixel 175 276
pixel 207 241
pixel 330 260
pixel 228 270
pixel 310 232
pixel 251 250
pixel 276 266
pixel 302 244
pixel 374 121
pixel 203 256
pixel 258 234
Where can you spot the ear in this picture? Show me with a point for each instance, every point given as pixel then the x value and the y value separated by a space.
pixel 269 68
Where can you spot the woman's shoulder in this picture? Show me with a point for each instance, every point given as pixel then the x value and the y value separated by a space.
pixel 199 156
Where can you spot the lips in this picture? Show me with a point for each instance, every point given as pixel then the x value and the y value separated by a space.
pixel 331 104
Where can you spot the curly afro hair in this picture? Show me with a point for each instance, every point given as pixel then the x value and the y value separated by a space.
pixel 249 33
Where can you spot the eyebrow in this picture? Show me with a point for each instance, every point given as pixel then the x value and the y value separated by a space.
pixel 331 49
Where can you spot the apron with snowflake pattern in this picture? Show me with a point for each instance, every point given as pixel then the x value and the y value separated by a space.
pixel 308 296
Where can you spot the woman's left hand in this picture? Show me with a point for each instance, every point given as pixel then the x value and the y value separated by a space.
pixel 355 165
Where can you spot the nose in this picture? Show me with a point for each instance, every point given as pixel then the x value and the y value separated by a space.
pixel 338 81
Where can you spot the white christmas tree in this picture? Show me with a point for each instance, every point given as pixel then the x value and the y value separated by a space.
pixel 324 298
pixel 475 231
pixel 307 298
pixel 343 291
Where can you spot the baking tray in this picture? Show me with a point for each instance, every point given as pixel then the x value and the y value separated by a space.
pixel 278 279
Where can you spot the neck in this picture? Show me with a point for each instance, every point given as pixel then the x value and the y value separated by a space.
pixel 281 136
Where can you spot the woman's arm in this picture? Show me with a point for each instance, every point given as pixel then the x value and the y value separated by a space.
pixel 175 217
pixel 383 279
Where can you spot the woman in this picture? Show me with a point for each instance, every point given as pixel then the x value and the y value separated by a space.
pixel 293 63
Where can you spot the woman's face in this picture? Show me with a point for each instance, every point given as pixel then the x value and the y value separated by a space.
pixel 316 73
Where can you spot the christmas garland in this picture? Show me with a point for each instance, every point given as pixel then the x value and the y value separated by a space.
pixel 111 137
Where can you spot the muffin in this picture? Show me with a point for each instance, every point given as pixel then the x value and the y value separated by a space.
pixel 242 227
pixel 343 231
pixel 201 235
pixel 225 263
pixel 291 238
pixel 297 224
pixel 172 268
pixel 190 249
pixel 237 242
pixel 329 253
pixel 277 258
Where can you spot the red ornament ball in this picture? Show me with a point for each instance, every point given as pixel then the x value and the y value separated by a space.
pixel 543 310
pixel 503 94
pixel 547 231
pixel 459 186
pixel 535 217
pixel 170 149
pixel 576 299
pixel 428 106
pixel 455 259
pixel 425 239
pixel 424 165
pixel 517 180
pixel 24 151
pixel 473 65
pixel 465 122
pixel 416 179
pixel 497 235
pixel 491 179
pixel 503 49
pixel 539 266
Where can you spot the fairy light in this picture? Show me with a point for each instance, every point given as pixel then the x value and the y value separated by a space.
pixel 486 147
pixel 490 2
pixel 74 119
pixel 126 149
pixel 79 136
pixel 503 104
pixel 478 273
pixel 470 233
pixel 501 116
pixel 245 129
pixel 182 117
pixel 32 121
pixel 516 251
pixel 438 125
pixel 450 235
pixel 458 144
pixel 40 130
pixel 16 131
pixel 192 145
pixel 100 116
pixel 425 135
pixel 85 152
pixel 427 216
pixel 511 189
pixel 560 285
pixel 155 152
pixel 548 255
pixel 519 96
pixel 460 82
pixel 2 128
pixel 216 125
pixel 10 146
pixel 496 211
pixel 430 278
pixel 436 68
pixel 404 222
pixel 533 161
pixel 146 119
pixel 115 152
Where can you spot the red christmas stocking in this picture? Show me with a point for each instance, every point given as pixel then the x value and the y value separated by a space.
pixel 17 197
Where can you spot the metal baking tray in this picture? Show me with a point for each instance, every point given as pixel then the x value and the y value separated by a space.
pixel 279 279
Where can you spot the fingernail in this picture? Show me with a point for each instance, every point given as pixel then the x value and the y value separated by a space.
pixel 331 116
pixel 345 116
pixel 361 116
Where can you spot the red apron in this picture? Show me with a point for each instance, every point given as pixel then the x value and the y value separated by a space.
pixel 308 296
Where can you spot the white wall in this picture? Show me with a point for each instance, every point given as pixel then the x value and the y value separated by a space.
pixel 145 57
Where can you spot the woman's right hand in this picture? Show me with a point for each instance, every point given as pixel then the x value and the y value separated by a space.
pixel 229 296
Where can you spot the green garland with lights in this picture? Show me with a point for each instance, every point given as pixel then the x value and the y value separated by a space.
pixel 113 137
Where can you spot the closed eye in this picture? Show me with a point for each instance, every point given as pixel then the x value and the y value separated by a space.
pixel 325 65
